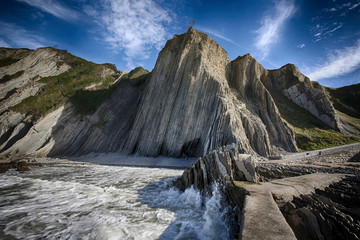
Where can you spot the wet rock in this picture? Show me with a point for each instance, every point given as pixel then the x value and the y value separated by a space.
pixel 20 165
pixel 222 167
pixel 225 165
pixel 332 213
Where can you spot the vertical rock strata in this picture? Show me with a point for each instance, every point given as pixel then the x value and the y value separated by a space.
pixel 195 101
pixel 295 86
pixel 198 100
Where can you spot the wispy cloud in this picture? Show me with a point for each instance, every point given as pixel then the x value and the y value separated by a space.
pixel 301 45
pixel 55 8
pixel 324 30
pixel 340 62
pixel 3 43
pixel 216 34
pixel 354 6
pixel 272 24
pixel 134 27
pixel 15 36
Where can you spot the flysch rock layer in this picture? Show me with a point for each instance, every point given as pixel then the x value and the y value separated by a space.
pixel 198 100
pixel 298 88
pixel 195 101
pixel 42 62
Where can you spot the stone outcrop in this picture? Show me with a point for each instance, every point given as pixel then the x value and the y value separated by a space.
pixel 34 65
pixel 66 133
pixel 195 101
pixel 329 213
pixel 223 166
pixel 295 86
pixel 311 201
pixel 198 100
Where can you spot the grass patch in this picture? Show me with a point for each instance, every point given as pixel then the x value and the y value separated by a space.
pixel 87 101
pixel 346 99
pixel 7 61
pixel 355 122
pixel 7 78
pixel 245 183
pixel 310 132
pixel 59 89
pixel 317 138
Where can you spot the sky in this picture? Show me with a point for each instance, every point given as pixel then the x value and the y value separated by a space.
pixel 322 37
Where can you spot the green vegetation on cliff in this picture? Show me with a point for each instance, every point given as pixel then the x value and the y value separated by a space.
pixel 87 101
pixel 7 61
pixel 58 89
pixel 7 78
pixel 310 132
pixel 346 101
pixel 71 86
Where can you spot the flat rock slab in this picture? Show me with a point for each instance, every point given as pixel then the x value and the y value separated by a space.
pixel 262 216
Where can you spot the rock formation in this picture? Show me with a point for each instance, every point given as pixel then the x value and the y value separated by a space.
pixel 294 85
pixel 198 100
pixel 311 198
pixel 194 101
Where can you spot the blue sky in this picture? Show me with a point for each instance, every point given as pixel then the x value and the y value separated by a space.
pixel 321 37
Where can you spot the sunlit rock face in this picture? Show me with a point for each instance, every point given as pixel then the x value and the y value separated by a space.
pixel 195 101
pixel 198 100
pixel 298 88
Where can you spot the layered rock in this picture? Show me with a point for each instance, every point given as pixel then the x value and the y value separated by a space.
pixel 295 86
pixel 197 101
pixel 330 213
pixel 32 66
pixel 222 167
pixel 64 132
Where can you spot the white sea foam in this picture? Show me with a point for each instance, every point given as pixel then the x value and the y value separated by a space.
pixel 104 202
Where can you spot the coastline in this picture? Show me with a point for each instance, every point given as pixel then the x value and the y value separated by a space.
pixel 23 163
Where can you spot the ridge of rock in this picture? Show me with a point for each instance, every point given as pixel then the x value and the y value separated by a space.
pixel 190 109
pixel 298 88
pixel 195 100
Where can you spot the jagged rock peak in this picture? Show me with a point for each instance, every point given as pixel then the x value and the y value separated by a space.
pixel 189 107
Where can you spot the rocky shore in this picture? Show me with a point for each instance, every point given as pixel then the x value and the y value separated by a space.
pixel 314 197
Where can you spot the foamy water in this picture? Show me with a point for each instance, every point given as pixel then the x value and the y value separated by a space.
pixel 105 202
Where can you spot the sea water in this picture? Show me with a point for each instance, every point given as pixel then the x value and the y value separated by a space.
pixel 105 202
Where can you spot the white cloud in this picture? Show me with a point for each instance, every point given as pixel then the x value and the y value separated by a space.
pixel 340 62
pixel 271 25
pixel 216 34
pixel 354 6
pixel 3 43
pixel 17 36
pixel 301 45
pixel 54 8
pixel 134 27
pixel 324 30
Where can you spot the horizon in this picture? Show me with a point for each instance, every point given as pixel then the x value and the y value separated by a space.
pixel 322 39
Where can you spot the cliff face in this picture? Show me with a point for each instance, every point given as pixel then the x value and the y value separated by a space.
pixel 198 100
pixel 195 101
pixel 295 86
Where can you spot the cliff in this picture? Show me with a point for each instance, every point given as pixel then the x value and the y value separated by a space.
pixel 194 101
pixel 198 100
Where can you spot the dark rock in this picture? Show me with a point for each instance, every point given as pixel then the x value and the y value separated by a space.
pixel 332 213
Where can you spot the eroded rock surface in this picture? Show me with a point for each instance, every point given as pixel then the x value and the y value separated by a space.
pixel 198 100
pixel 195 101
pixel 330 213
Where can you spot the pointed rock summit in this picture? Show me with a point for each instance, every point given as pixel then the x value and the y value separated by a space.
pixel 198 100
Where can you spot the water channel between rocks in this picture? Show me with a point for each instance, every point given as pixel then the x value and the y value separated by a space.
pixel 67 201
